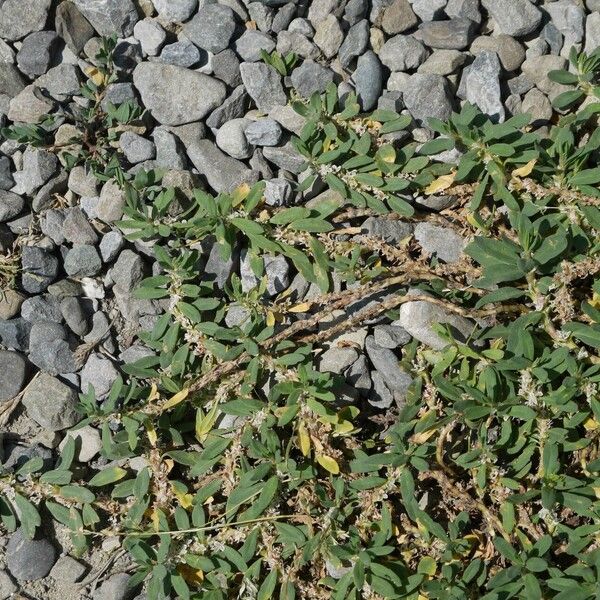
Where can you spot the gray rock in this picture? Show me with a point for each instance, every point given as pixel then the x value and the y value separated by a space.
pixel 150 35
pixel 402 53
pixel 134 353
pixel 11 80
pixel 429 10
pixel 483 85
pixel 337 360
pixel 368 80
pixel 276 269
pixel 77 229
pixel 13 367
pixel 41 308
pixel 118 93
pixel 285 157
pixel 294 41
pixel 175 10
pixel 45 195
pixel 443 62
pixel 28 106
pixel 380 396
pixel 40 269
pixel 110 205
pixel 328 36
pixel 10 205
pixel 21 17
pixel 398 17
pixel 38 168
pixel 359 376
pixel 391 231
pixel 6 178
pixel 355 43
pixel 136 148
pixel 419 316
pixel 233 107
pixel 110 245
pixel 440 241
pixel 226 67
pixel 181 53
pixel 263 83
pixel 311 77
pixel 390 336
pixel 108 17
pixel 552 37
pixel 428 96
pixel 67 569
pixel 37 52
pixel 537 69
pixel 510 52
pixel 569 19
pixel 72 26
pixel 454 34
pixel 74 316
pixel 82 182
pixel 7 587
pixel 222 172
pixel 538 106
pixel 212 27
pixel 466 9
pixel 232 139
pixel 514 17
pixel 51 403
pixel 264 132
pixel 128 271
pixel 14 333
pixel 115 588
pixel 278 192
pixel 251 42
pixel 303 26
pixel 175 95
pixel 237 315
pixel 169 152
pixel 49 350
pixel 261 15
pixel 29 560
pixel 10 304
pixel 592 32
pixel 386 364
pixel 82 261
pixel 100 373
pixel 219 269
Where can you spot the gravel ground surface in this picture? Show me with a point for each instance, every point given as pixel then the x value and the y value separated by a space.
pixel 217 117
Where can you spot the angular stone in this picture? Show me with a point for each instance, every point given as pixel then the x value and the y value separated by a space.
pixel 443 62
pixel 136 148
pixel 10 205
pixel 14 333
pixel 355 43
pixel 419 316
pixel 294 41
pixel 40 268
pixel 37 52
pixel 429 10
pixel 212 27
pixel 428 96
pixel 311 77
pixel 13 367
pixel 21 17
pixel 465 9
pixel 175 95
pixel 38 168
pixel 108 17
pixel 336 360
pixel 181 53
pixel 111 245
pixel 440 241
pixel 29 106
pixel 100 373
pixel 82 261
pixel 72 26
pixel 222 172
pixel 51 403
pixel 390 231
pixel 402 53
pixel 285 157
pixel 387 365
pixel 368 80
pixel 128 271
pixel 226 67
pixel 510 52
pixel 29 560
pixel 390 336
pixel 537 70
pixel 276 269
pixel 175 10
pixel 592 32
pixel 251 42
pixel 10 304
pixel 67 569
pixel 110 206
pixel 514 17
pixel 569 19
pixel 77 229
pixel 41 308
pixel 398 17
pixel 483 85
pixel 74 316
pixel 150 35
pixel 263 83
pixel 264 132
pixel 231 138
pixel 233 107
pixel 454 34
pixel 278 192
pixel 328 36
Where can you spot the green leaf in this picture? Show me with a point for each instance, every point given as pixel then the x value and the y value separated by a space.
pixel 107 476
pixel 29 515
pixel 311 225
pixel 587 334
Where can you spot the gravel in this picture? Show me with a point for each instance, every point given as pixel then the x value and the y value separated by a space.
pixel 29 560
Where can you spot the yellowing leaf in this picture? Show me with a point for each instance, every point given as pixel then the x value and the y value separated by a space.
pixel 204 424
pixel 186 500
pixel 240 193
pixel 95 75
pixel 152 437
pixel 301 308
pixel 421 438
pixel 155 518
pixel 191 575
pixel 343 427
pixel 328 463
pixel 270 319
pixel 304 440
pixel 387 153
pixel 591 424
pixel 176 399
pixel 153 395
pixel 440 184
pixel 525 170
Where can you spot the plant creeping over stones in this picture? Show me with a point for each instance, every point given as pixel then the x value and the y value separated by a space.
pixel 257 474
